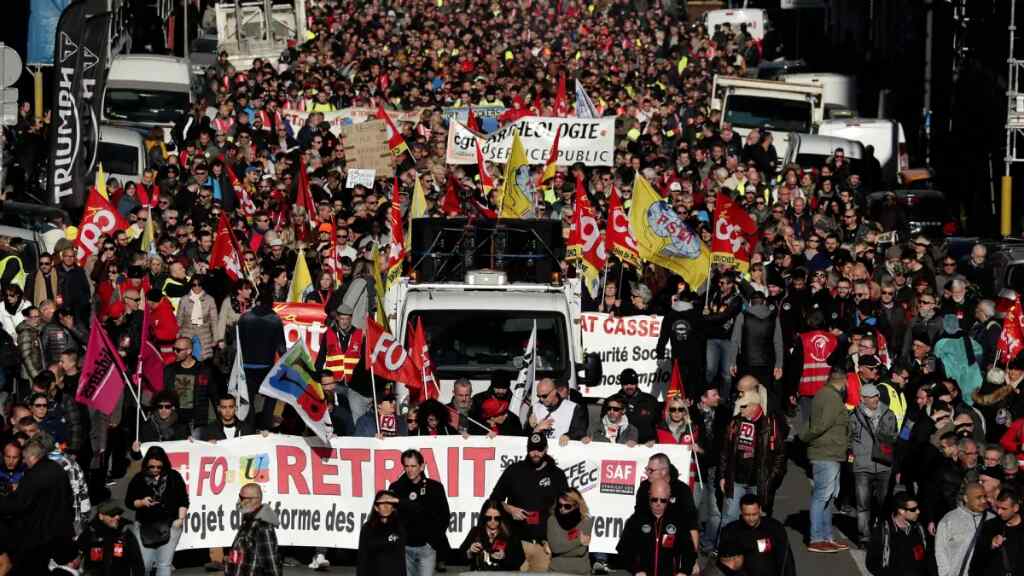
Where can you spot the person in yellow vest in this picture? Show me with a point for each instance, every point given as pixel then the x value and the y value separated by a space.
pixel 176 284
pixel 891 392
pixel 341 347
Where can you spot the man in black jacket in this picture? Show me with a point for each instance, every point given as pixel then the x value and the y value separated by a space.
pixel 681 506
pixel 766 549
pixel 652 541
pixel 682 325
pixel 42 509
pixel 1000 547
pixel 109 546
pixel 261 343
pixel 641 407
pixel 899 546
pixel 423 510
pixel 719 316
pixel 227 424
pixel 527 490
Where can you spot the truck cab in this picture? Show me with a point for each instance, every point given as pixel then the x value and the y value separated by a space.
pixel 478 320
pixel 145 90
pixel 778 107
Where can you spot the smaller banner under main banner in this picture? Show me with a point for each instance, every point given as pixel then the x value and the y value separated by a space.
pixel 323 493
pixel 625 342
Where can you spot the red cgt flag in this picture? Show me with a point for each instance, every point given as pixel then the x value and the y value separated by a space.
pixel 1011 341
pixel 386 356
pixel 618 237
pixel 421 359
pixel 225 252
pixel 99 218
pixel 734 234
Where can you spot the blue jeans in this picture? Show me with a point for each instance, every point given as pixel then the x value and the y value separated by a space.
pixel 161 557
pixel 420 560
pixel 718 354
pixel 708 513
pixel 731 506
pixel 826 489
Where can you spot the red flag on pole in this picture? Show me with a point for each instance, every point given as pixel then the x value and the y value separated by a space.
pixel 420 352
pixel 676 389
pixel 471 121
pixel 99 218
pixel 618 237
pixel 450 204
pixel 386 356
pixel 735 234
pixel 561 101
pixel 102 381
pixel 224 253
pixel 486 181
pixel 396 143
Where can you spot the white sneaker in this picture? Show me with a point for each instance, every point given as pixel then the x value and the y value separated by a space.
pixel 320 563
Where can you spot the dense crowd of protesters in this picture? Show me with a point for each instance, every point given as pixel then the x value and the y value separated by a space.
pixel 877 362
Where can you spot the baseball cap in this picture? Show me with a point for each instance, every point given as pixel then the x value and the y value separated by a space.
pixel 868 391
pixel 537 442
pixel 870 361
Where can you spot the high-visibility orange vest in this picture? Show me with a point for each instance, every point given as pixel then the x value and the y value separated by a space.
pixel 343 362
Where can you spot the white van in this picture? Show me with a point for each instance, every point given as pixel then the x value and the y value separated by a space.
pixel 839 91
pixel 885 135
pixel 813 151
pixel 755 19
pixel 122 154
pixel 144 91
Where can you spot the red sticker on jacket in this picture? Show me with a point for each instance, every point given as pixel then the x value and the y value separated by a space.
pixel 668 540
pixel 574 534
pixel 96 554
pixel 533 518
pixel 118 550
pixel 919 552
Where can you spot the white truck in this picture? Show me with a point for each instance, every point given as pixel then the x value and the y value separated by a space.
pixel 145 90
pixel 778 107
pixel 839 91
pixel 478 321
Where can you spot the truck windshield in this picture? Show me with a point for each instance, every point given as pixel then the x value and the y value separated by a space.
pixel 118 158
pixel 145 106
pixel 773 113
pixel 467 342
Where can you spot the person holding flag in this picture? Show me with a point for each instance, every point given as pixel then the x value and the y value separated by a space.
pixel 341 351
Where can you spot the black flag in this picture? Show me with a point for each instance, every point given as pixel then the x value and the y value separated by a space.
pixel 65 185
pixel 95 44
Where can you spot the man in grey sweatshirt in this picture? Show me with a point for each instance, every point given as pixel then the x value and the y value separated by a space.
pixel 955 535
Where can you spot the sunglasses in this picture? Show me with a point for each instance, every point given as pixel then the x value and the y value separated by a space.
pixel 386 503
pixel 154 467
pixel 659 500
pixel 615 408
pixel 566 506
pixel 42 405
pixel 182 349
pixel 165 406
pixel 491 517
pixel 914 509
pixel 676 410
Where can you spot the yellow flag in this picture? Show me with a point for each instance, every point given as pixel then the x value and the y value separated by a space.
pixel 417 209
pixel 516 200
pixel 101 182
pixel 378 287
pixel 148 235
pixel 301 279
pixel 663 238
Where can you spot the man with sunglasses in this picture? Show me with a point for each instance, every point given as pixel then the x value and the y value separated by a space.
pixel 899 544
pixel 254 551
pixel 653 542
pixel 763 539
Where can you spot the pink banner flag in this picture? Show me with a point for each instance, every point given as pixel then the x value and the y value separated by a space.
pixel 102 381
pixel 151 364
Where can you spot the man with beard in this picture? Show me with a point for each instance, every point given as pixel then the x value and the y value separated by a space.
pixel 254 550
pixel 556 417
pixel 527 490
pixel 641 408
pixel 681 324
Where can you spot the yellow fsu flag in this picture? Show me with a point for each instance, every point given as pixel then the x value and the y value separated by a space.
pixel 517 190
pixel 663 238
pixel 417 209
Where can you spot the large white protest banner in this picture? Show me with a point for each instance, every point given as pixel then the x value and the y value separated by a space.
pixel 590 141
pixel 322 494
pixel 624 342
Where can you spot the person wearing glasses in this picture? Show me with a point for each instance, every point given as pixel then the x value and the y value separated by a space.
pixel 382 539
pixel 613 426
pixel 43 284
pixel 254 551
pixel 491 544
pixel 925 322
pixel 653 542
pixel 569 528
pixel 899 543
pixel 159 498
pixel 163 424
pixel 724 305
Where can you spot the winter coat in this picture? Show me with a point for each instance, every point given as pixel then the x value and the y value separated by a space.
pixel 998 404
pixel 757 338
pixel 987 334
pixel 894 552
pixel 56 338
pixel 509 545
pixel 205 330
pixel 111 551
pixel 961 364
pixel 769 453
pixel 30 349
pixel 568 552
pixel 254 551
pixel 655 546
pixel 43 506
pixel 598 433
pixel 381 549
pixel 862 441
pixel 827 434
pixel 9 321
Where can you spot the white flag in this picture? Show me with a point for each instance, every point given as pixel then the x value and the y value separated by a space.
pixel 584 105
pixel 237 386
pixel 528 375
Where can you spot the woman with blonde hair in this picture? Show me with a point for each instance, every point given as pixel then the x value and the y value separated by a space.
pixel 569 526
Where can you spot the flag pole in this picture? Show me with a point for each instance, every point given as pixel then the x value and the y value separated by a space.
pixel 373 381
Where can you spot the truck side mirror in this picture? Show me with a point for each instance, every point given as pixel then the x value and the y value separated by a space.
pixel 591 369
